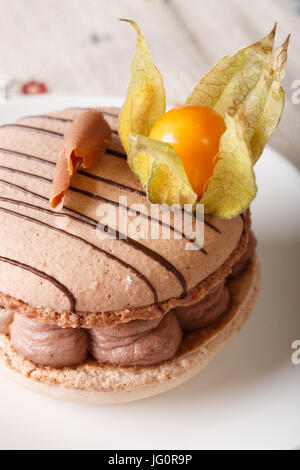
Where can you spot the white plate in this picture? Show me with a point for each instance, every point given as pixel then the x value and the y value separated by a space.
pixel 247 398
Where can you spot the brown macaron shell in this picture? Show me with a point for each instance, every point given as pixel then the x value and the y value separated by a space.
pixel 103 383
pixel 105 282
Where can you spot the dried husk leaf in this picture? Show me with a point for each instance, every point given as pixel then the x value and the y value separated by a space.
pixel 232 187
pixel 233 77
pixel 145 102
pixel 252 76
pixel 264 105
pixel 245 89
pixel 160 170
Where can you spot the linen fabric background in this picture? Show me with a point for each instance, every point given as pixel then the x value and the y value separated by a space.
pixel 78 46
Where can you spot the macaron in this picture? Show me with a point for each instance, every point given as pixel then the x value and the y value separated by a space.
pixel 93 308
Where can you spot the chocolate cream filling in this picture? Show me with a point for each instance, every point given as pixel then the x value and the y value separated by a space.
pixel 206 311
pixel 141 349
pixel 47 345
pixel 136 343
pixel 6 318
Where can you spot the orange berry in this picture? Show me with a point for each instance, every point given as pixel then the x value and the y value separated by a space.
pixel 195 133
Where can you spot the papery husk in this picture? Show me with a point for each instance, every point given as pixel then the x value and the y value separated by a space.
pixel 145 101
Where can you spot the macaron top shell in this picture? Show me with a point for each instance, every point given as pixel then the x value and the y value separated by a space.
pixel 58 260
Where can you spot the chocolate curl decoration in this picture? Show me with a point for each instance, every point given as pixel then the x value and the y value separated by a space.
pixel 85 142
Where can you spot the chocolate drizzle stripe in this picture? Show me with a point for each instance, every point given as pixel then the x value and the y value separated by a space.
pixel 111 183
pixel 46 116
pixel 71 235
pixel 57 135
pixel 78 215
pixel 117 154
pixel 58 119
pixel 136 213
pixel 43 275
pixel 120 236
pixel 83 219
pixel 108 113
pixel 105 113
pixel 25 173
pixel 110 202
pixel 213 227
pixel 90 175
pixel 81 172
pixel 244 222
pixel 112 152
pixel 39 130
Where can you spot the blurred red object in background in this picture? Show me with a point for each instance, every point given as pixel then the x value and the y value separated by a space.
pixel 34 88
